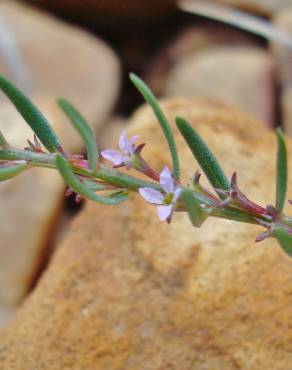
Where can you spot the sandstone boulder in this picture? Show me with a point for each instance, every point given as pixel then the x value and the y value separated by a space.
pixel 127 292
pixel 239 76
pixel 47 59
pixel 193 39
pixel 30 205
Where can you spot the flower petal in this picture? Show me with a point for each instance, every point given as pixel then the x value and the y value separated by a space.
pixel 164 212
pixel 151 195
pixel 176 195
pixel 124 142
pixel 134 139
pixel 114 156
pixel 127 145
pixel 166 180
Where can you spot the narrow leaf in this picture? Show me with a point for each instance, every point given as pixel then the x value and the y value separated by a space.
pixel 3 143
pixel 82 189
pixel 31 115
pixel 233 214
pixel 282 170
pixel 84 130
pixel 284 238
pixel 122 180
pixel 8 172
pixel 204 156
pixel 94 186
pixel 152 101
pixel 196 212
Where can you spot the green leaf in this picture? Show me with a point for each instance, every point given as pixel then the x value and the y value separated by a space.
pixel 196 212
pixel 3 143
pixel 122 180
pixel 284 238
pixel 152 101
pixel 282 170
pixel 82 189
pixel 8 172
pixel 31 115
pixel 229 213
pixel 84 130
pixel 204 156
pixel 93 185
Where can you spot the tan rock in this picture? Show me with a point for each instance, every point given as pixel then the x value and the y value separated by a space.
pixel 29 207
pixel 239 76
pixel 286 106
pixel 115 125
pixel 127 292
pixel 48 59
pixel 283 55
pixel 193 39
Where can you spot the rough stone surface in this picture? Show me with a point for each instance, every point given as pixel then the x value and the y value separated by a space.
pixel 241 77
pixel 48 59
pixel 29 207
pixel 127 292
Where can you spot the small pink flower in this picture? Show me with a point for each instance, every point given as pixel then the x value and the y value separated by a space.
pixel 165 202
pixel 122 157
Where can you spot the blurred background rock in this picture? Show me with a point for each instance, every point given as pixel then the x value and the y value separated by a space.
pixel 84 50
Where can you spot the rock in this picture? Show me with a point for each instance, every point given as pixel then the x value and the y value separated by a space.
pixel 127 292
pixel 30 204
pixel 262 7
pixel 48 59
pixel 114 13
pixel 193 39
pixel 286 106
pixel 239 76
pixel 283 57
pixel 115 126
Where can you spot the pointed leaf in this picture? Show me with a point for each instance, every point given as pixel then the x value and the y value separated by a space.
pixel 92 185
pixel 84 130
pixel 204 156
pixel 123 180
pixel 3 143
pixel 196 212
pixel 72 180
pixel 234 214
pixel 31 115
pixel 282 170
pixel 151 100
pixel 8 172
pixel 284 239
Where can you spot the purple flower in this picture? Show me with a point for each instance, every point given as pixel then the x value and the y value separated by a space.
pixel 165 202
pixel 122 157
